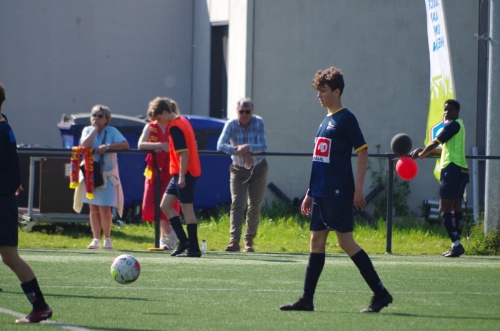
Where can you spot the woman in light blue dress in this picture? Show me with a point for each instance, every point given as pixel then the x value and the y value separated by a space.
pixel 102 137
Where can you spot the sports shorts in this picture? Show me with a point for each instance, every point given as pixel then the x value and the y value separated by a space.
pixel 333 214
pixel 8 220
pixel 186 194
pixel 453 181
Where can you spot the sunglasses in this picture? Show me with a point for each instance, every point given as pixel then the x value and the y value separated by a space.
pixel 97 115
pixel 244 111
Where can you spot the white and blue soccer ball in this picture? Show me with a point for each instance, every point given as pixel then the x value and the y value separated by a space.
pixel 125 269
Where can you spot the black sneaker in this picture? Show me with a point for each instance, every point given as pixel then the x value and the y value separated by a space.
pixel 181 248
pixel 455 251
pixel 189 253
pixel 378 303
pixel 301 304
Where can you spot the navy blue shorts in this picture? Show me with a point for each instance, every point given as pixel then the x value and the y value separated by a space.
pixel 186 194
pixel 453 182
pixel 333 214
pixel 8 221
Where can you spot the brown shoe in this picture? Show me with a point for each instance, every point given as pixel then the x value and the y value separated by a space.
pixel 249 246
pixel 233 246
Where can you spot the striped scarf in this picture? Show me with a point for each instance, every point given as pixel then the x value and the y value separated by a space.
pixel 153 138
pixel 88 157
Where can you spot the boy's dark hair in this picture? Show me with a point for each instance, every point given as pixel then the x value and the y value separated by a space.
pixel 2 95
pixel 332 77
pixel 158 105
pixel 454 103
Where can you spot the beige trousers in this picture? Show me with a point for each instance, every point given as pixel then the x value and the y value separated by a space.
pixel 246 184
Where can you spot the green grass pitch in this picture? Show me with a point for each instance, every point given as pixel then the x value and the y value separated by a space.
pixel 243 291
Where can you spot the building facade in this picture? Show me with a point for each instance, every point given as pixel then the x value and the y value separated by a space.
pixel 60 56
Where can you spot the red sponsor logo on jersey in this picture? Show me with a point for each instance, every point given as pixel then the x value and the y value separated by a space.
pixel 322 149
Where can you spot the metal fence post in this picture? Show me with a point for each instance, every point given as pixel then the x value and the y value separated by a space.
pixel 157 202
pixel 390 187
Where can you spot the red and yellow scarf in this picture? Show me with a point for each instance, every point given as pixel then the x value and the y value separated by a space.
pixel 88 157
pixel 161 158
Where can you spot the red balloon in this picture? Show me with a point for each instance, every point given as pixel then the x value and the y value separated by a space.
pixel 406 168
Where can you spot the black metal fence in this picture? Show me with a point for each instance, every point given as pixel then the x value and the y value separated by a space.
pixel 391 158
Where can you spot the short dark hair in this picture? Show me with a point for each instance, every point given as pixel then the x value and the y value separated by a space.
pixel 2 95
pixel 454 103
pixel 332 77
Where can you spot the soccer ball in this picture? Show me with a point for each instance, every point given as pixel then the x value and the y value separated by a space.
pixel 125 269
pixel 401 144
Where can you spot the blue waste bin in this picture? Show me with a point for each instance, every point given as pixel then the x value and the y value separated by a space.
pixel 212 188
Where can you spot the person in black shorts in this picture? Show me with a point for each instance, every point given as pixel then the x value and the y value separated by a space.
pixel 10 186
pixel 454 173
pixel 333 193
pixel 185 168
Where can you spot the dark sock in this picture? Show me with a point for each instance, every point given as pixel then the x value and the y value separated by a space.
pixel 176 224
pixel 313 271
pixel 450 227
pixel 34 294
pixel 459 223
pixel 365 266
pixel 192 230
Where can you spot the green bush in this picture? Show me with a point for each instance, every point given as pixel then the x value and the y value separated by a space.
pixel 482 244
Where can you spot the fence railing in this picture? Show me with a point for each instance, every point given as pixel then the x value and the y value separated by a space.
pixel 390 157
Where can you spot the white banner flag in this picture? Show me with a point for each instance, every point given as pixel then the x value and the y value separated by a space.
pixel 442 86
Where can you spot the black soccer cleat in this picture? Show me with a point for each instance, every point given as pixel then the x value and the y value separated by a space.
pixel 181 248
pixel 36 317
pixel 189 253
pixel 301 305
pixel 378 303
pixel 455 251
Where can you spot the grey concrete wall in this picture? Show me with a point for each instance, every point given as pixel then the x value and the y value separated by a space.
pixel 382 48
pixel 63 56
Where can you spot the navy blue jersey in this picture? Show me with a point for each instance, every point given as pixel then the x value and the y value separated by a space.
pixel 10 178
pixel 331 175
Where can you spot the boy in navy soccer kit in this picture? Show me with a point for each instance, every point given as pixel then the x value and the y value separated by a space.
pixel 10 186
pixel 333 192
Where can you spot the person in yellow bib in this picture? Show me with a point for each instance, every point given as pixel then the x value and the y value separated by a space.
pixel 454 173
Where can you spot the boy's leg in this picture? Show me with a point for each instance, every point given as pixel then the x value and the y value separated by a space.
pixel 313 272
pixel 192 226
pixel 316 262
pixel 29 284
pixel 456 249
pixel 381 297
pixel 166 207
pixel 451 191
pixel 186 197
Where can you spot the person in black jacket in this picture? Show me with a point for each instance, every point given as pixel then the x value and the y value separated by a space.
pixel 10 186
